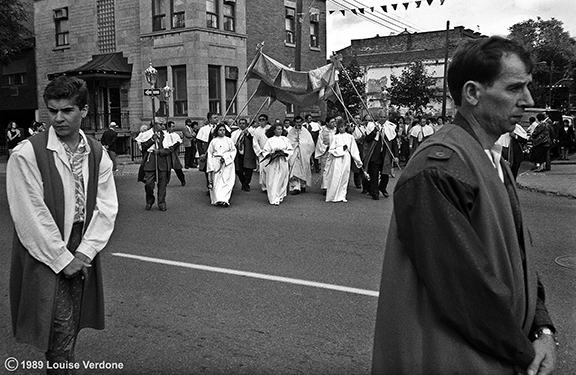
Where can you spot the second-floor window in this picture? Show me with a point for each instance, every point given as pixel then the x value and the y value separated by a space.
pixel 177 9
pixel 314 30
pixel 228 13
pixel 290 25
pixel 231 73
pixel 158 15
pixel 214 89
pixel 62 27
pixel 212 14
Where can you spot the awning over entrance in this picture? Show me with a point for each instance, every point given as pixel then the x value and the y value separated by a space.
pixel 106 66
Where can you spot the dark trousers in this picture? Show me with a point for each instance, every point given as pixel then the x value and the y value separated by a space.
pixel 150 180
pixel 189 153
pixel 358 177
pixel 66 313
pixel 384 178
pixel 374 173
pixel 245 176
pixel 180 175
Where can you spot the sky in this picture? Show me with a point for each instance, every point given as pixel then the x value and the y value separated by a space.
pixel 489 17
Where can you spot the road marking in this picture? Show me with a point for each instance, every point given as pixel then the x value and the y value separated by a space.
pixel 251 274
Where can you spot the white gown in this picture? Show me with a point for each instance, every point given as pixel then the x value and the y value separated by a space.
pixel 338 166
pixel 224 172
pixel 275 173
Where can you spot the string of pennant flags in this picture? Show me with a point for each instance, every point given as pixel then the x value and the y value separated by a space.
pixel 385 8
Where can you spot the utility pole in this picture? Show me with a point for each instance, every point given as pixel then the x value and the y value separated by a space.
pixel 550 89
pixel 445 85
pixel 298 51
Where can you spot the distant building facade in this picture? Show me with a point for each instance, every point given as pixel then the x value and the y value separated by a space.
pixel 382 57
pixel 274 23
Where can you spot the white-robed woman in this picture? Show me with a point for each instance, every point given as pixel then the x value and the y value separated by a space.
pixel 343 148
pixel 275 154
pixel 220 166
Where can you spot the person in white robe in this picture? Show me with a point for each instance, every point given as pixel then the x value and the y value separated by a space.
pixel 259 140
pixel 220 166
pixel 322 146
pixel 299 161
pixel 342 149
pixel 418 133
pixel 274 165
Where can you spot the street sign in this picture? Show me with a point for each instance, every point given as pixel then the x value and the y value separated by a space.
pixel 151 92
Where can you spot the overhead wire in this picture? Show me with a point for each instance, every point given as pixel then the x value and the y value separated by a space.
pixel 399 23
pixel 378 11
pixel 376 21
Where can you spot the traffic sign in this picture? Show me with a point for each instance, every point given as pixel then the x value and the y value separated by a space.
pixel 151 92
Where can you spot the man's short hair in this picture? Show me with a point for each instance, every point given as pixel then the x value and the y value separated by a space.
pixel 298 118
pixel 210 114
pixel 69 88
pixel 532 119
pixel 188 121
pixel 480 60
pixel 243 120
pixel 263 115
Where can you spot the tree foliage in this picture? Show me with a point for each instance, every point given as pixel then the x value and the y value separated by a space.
pixel 350 97
pixel 554 53
pixel 14 34
pixel 413 89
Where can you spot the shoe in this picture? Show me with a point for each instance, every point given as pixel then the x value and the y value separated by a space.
pixel 247 188
pixel 225 204
pixel 148 206
pixel 385 193
pixel 376 197
pixel 162 206
pixel 183 183
pixel 364 191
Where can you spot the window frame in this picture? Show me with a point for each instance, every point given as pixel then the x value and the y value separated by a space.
pixel 177 18
pixel 158 18
pixel 180 93
pixel 214 98
pixel 61 22
pixel 212 21
pixel 229 18
pixel 290 20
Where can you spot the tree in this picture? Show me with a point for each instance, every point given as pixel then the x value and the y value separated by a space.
pixel 350 97
pixel 14 34
pixel 413 89
pixel 554 53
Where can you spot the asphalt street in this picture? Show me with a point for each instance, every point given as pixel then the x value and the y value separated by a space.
pixel 259 289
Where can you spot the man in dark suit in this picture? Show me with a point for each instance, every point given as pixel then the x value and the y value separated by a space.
pixel 245 160
pixel 156 163
pixel 109 141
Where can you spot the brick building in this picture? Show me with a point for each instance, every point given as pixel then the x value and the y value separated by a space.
pixel 200 48
pixel 274 22
pixel 381 57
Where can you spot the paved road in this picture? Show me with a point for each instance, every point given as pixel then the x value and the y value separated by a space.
pixel 164 317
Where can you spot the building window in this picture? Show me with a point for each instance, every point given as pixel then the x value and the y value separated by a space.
pixel 180 90
pixel 177 8
pixel 17 79
pixel 214 89
pixel 290 25
pixel 161 81
pixel 290 109
pixel 158 15
pixel 231 74
pixel 314 30
pixel 211 14
pixel 106 27
pixel 228 12
pixel 62 27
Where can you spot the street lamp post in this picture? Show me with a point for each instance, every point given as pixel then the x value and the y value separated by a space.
pixel 167 91
pixel 151 75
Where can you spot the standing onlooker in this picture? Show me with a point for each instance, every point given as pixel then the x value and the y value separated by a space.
pixel 220 166
pixel 245 161
pixel 341 152
pixel 299 162
pixel 403 140
pixel 566 139
pixel 109 141
pixel 63 202
pixel 418 133
pixel 540 145
pixel 175 140
pixel 189 141
pixel 13 136
pixel 512 150
pixel 460 295
pixel 274 165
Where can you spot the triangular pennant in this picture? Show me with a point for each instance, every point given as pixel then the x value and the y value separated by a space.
pixel 405 5
pixel 442 2
pixel 354 11
pixel 331 11
pixel 418 4
pixel 394 6
pixel 429 2
pixel 371 9
pixel 361 10
pixel 384 8
pixel 343 12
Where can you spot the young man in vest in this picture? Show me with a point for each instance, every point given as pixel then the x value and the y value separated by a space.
pixel 63 203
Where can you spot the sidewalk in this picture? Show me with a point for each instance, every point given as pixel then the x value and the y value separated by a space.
pixel 560 180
